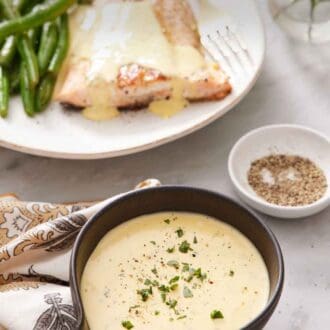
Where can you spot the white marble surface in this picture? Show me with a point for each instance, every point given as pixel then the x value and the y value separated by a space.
pixel 294 87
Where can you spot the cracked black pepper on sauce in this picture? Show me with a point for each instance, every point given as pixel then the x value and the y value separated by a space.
pixel 287 180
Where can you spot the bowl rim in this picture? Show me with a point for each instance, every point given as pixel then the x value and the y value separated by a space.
pixel 273 299
pixel 322 202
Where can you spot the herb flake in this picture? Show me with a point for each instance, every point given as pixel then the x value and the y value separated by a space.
pixel 133 307
pixel 145 293
pixel 154 271
pixel 187 292
pixel 185 247
pixel 179 232
pixel 174 286
pixel 173 263
pixel 127 325
pixel 164 288
pixel 216 314
pixel 170 250
pixel 151 283
pixel 185 267
pixel 181 317
pixel 174 279
pixel 172 303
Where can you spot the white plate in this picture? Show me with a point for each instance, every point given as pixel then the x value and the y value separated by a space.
pixel 62 134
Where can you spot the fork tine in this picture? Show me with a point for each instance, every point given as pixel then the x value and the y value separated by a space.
pixel 232 53
pixel 221 52
pixel 240 43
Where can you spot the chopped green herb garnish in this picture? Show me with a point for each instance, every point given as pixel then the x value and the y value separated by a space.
pixel 185 247
pixel 173 263
pixel 167 221
pixel 149 282
pixel 216 315
pixel 164 288
pixel 174 279
pixel 187 292
pixel 231 273
pixel 189 278
pixel 179 232
pixel 195 240
pixel 199 275
pixel 145 293
pixel 127 325
pixel 133 307
pixel 163 296
pixel 174 286
pixel 157 313
pixel 171 250
pixel 153 242
pixel 172 303
pixel 154 271
pixel 185 267
pixel 181 317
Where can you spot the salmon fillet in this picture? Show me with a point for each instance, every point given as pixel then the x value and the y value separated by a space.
pixel 136 85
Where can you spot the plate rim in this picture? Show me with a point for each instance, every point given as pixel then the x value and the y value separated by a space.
pixel 159 142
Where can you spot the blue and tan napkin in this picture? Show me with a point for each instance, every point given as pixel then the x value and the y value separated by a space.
pixel 35 247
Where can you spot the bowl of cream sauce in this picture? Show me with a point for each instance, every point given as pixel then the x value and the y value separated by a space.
pixel 175 258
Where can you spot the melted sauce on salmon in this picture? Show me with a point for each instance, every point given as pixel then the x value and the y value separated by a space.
pixel 168 108
pixel 110 35
pixel 100 109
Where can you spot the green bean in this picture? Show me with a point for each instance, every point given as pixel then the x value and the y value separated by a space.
pixel 62 45
pixel 26 6
pixel 8 51
pixel 34 35
pixel 40 15
pixel 24 44
pixel 29 57
pixel 21 4
pixel 14 78
pixel 9 11
pixel 9 48
pixel 4 92
pixel 27 91
pixel 47 46
pixel 45 92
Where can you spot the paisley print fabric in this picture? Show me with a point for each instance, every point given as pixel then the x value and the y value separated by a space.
pixel 35 248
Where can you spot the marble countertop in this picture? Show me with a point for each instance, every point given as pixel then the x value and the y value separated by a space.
pixel 293 88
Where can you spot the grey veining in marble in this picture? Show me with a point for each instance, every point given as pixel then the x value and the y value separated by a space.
pixel 294 87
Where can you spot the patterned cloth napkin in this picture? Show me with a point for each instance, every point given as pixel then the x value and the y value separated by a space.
pixel 35 248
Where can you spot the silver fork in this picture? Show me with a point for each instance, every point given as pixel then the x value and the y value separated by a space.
pixel 231 52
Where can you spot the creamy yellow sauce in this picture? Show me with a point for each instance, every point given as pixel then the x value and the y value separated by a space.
pixel 232 279
pixel 168 108
pixel 112 34
pixel 101 108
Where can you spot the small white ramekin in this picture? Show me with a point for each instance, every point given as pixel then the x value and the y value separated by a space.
pixel 279 139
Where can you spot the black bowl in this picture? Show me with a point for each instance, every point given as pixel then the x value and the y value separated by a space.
pixel 186 199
